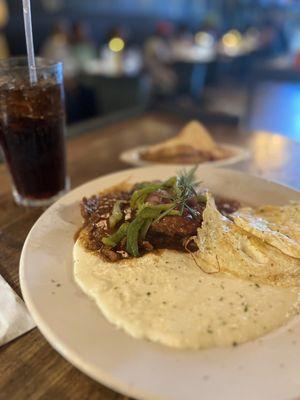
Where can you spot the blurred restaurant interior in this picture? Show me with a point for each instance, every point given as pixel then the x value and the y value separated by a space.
pixel 235 58
pixel 162 84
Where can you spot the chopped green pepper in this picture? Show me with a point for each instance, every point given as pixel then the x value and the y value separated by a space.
pixel 139 196
pixel 148 211
pixel 115 238
pixel 145 228
pixel 116 215
pixel 132 236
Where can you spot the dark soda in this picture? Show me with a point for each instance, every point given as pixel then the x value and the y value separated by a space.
pixel 32 138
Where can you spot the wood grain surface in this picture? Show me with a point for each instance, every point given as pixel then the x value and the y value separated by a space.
pixel 29 367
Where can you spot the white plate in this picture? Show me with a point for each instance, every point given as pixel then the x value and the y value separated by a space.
pixel 132 157
pixel 267 368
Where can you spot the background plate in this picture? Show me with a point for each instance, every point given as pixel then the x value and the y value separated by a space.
pixel 267 368
pixel 132 157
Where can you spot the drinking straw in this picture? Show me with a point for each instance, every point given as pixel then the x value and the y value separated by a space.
pixel 29 41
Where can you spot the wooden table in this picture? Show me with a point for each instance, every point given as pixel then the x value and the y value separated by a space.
pixel 29 367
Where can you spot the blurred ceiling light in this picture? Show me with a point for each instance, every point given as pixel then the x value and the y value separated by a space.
pixel 3 13
pixel 116 44
pixel 204 39
pixel 232 38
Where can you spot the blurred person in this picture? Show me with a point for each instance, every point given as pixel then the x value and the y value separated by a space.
pixel 182 36
pixel 158 58
pixel 210 25
pixel 273 40
pixel 111 53
pixel 82 46
pixel 119 54
pixel 273 37
pixel 295 45
pixel 58 48
pixel 132 60
pixel 115 32
pixel 132 55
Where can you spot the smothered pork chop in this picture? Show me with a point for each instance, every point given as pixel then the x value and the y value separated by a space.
pixel 131 221
pixel 165 261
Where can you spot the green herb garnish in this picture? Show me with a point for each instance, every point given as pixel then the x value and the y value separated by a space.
pixel 185 189
pixel 139 196
pixel 117 214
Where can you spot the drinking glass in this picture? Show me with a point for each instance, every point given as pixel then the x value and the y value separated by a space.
pixel 32 127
